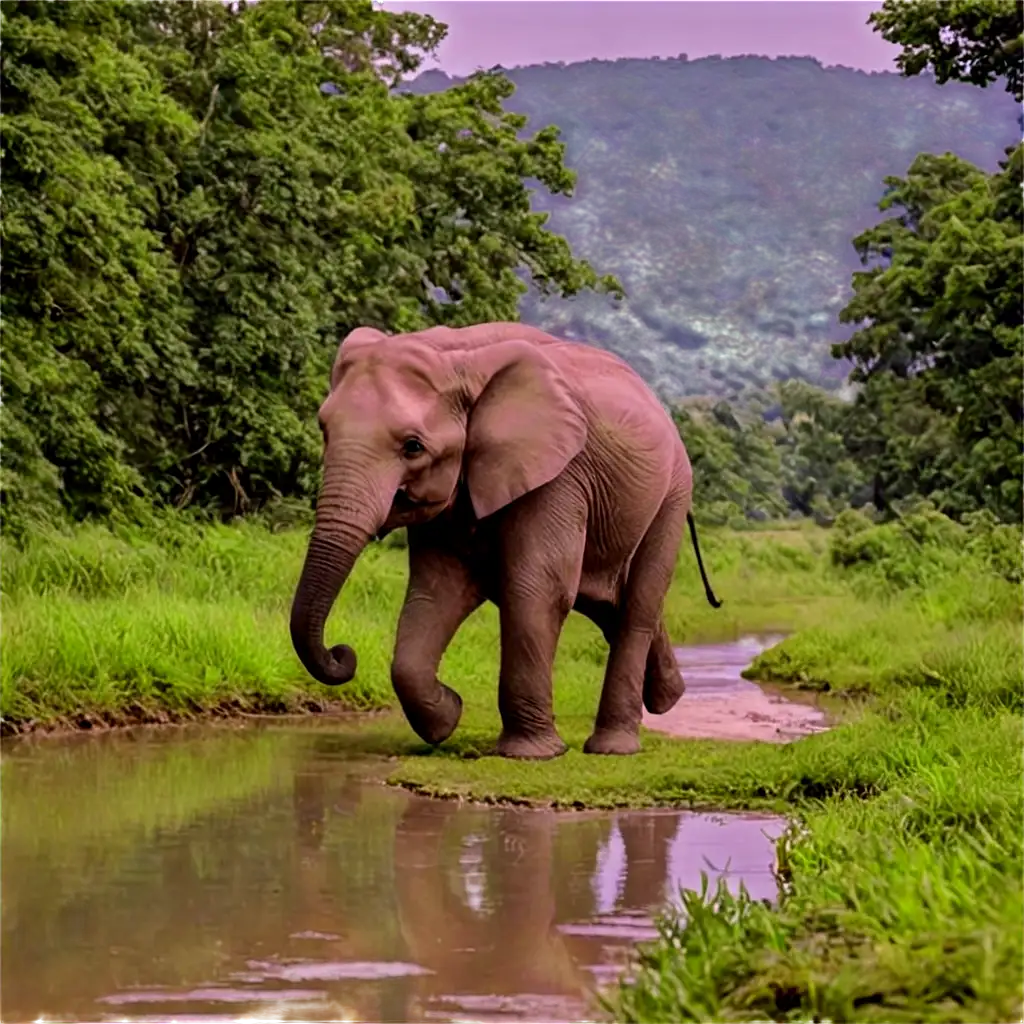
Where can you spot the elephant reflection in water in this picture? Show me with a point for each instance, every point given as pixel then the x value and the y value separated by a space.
pixel 510 947
pixel 479 894
pixel 646 839
pixel 534 878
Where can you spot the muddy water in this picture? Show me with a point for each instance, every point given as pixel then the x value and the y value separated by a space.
pixel 720 704
pixel 221 874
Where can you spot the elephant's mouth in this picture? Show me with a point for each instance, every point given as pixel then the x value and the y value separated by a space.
pixel 405 502
pixel 408 511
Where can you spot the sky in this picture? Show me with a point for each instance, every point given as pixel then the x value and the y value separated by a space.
pixel 482 33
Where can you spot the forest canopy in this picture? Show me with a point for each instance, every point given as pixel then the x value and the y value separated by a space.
pixel 200 200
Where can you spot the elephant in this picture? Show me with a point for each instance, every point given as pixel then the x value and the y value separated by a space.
pixel 511 944
pixel 540 474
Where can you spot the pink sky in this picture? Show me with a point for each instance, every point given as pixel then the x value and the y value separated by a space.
pixel 482 33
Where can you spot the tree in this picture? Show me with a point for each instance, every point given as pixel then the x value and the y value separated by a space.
pixel 941 342
pixel 942 307
pixel 976 41
pixel 200 200
pixel 736 468
pixel 820 475
pixel 94 332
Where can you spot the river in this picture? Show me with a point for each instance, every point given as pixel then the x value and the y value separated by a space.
pixel 214 873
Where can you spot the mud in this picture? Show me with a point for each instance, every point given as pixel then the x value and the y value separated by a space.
pixel 720 704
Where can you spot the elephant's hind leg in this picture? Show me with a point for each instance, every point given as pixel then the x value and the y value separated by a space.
pixel 616 730
pixel 441 596
pixel 663 682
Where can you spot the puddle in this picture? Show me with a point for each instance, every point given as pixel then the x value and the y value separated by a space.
pixel 720 704
pixel 211 875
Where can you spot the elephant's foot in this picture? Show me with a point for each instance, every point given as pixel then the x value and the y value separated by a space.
pixel 662 693
pixel 434 723
pixel 531 746
pixel 613 741
pixel 663 682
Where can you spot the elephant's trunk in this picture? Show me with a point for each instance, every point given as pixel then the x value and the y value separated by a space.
pixel 338 539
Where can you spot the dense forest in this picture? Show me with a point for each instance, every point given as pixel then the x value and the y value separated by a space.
pixel 723 194
pixel 201 199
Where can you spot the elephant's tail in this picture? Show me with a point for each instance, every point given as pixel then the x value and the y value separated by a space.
pixel 712 600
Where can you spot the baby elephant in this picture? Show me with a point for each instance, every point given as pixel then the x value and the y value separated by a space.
pixel 540 474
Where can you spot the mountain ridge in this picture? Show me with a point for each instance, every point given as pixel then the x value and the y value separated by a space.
pixel 725 192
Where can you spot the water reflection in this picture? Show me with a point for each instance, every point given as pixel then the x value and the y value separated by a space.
pixel 187 894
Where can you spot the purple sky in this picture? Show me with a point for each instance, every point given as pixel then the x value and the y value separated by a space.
pixel 482 33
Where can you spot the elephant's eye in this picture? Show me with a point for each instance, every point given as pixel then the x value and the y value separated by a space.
pixel 412 447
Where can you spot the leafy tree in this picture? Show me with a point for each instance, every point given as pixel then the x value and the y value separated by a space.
pixel 200 200
pixel 820 475
pixel 941 340
pixel 736 466
pixel 94 332
pixel 976 41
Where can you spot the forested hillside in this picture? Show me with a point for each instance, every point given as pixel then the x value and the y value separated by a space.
pixel 724 195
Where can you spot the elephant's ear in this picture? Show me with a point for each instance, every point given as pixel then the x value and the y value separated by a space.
pixel 357 338
pixel 525 425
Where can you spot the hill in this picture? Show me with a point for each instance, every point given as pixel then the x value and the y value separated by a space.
pixel 724 194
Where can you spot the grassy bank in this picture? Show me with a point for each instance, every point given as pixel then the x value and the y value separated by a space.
pixel 903 895
pixel 903 870
pixel 174 620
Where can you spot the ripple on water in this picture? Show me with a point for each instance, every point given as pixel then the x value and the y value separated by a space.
pixel 209 875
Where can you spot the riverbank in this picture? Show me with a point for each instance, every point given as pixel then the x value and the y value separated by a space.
pixel 903 870
pixel 172 622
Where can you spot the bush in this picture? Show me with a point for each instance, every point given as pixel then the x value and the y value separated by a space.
pixel 923 544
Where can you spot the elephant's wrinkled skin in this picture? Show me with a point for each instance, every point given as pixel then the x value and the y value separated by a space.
pixel 540 474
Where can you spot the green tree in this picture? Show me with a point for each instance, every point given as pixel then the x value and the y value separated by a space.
pixel 735 459
pixel 940 344
pixel 820 475
pixel 942 305
pixel 94 333
pixel 976 41
pixel 200 200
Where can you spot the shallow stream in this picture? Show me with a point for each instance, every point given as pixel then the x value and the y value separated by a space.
pixel 212 873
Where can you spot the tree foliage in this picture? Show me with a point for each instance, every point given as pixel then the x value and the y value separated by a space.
pixel 200 200
pixel 942 332
pixel 976 41
pixel 940 344
pixel 783 451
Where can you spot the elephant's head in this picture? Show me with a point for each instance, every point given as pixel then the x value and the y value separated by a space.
pixel 408 420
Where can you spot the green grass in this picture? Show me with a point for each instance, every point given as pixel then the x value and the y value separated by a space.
pixel 179 621
pixel 902 871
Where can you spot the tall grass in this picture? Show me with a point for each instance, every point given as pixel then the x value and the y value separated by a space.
pixel 181 619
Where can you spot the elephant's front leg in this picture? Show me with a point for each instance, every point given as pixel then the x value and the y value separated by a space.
pixel 441 595
pixel 542 558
